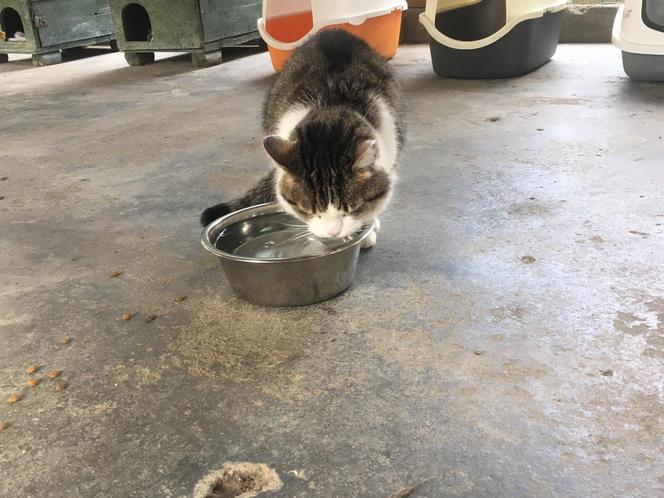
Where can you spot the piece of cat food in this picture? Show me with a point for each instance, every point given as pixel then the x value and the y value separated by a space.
pixel 54 374
pixel 179 299
pixel 116 274
pixel 13 398
pixel 151 318
pixel 3 425
pixel 32 382
pixel 127 316
pixel 61 386
pixel 65 339
pixel 31 369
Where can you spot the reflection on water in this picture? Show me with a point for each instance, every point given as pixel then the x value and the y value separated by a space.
pixel 275 236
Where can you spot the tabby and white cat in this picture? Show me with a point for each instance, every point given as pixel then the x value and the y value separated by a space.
pixel 334 132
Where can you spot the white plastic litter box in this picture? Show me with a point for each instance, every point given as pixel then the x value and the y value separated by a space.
pixel 638 31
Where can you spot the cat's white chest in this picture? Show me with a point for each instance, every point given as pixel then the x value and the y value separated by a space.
pixel 386 137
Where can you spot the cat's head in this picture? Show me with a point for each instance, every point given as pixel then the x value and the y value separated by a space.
pixel 329 174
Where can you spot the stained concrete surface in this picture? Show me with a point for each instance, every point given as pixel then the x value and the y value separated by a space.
pixel 504 338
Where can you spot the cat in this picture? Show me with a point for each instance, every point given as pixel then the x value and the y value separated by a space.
pixel 334 131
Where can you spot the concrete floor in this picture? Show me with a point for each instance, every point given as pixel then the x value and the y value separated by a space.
pixel 504 338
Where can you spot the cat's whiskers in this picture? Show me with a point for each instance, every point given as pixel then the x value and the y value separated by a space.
pixel 292 238
pixel 291 225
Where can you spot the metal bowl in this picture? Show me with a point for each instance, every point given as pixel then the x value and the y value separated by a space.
pixel 284 281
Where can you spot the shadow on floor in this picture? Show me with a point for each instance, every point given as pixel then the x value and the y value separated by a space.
pixel 163 67
pixel 69 55
pixel 641 92
pixel 172 65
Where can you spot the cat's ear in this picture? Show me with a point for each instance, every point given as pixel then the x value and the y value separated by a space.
pixel 366 155
pixel 280 149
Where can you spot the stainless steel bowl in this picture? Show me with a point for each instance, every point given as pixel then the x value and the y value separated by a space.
pixel 293 281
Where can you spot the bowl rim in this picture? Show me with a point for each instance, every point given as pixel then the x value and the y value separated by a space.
pixel 268 208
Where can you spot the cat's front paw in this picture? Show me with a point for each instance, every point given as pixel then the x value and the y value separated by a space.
pixel 369 242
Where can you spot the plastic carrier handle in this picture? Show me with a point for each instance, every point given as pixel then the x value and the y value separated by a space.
pixel 427 19
pixel 273 42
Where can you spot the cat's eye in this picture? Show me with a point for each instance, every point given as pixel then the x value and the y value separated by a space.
pixel 297 207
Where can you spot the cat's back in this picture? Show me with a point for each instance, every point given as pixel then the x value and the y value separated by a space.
pixel 335 53
pixel 332 68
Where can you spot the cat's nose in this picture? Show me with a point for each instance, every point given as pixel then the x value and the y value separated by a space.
pixel 333 228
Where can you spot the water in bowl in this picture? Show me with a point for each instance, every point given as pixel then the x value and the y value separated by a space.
pixel 275 236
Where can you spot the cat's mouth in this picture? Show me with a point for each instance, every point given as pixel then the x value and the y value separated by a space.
pixel 328 237
pixel 344 234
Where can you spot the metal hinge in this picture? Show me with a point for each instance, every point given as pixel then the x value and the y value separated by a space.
pixel 40 22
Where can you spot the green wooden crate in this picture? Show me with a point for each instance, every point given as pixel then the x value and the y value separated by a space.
pixel 200 27
pixel 52 25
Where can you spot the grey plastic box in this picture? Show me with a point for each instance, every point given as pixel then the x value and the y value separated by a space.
pixel 643 67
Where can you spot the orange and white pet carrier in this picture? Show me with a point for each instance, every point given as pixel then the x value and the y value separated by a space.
pixel 287 24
